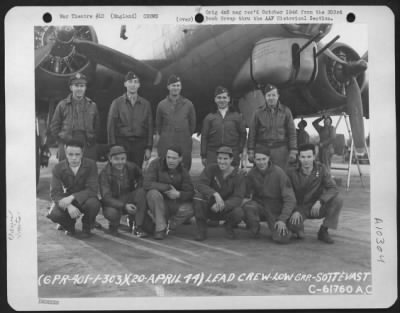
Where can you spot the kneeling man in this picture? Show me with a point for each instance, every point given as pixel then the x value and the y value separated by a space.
pixel 169 191
pixel 121 192
pixel 220 193
pixel 272 197
pixel 316 193
pixel 73 189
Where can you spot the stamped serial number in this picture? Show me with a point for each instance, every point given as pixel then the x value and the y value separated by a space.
pixel 336 289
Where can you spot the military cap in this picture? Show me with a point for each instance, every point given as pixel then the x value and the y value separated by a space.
pixel 114 150
pixel 220 90
pixel 77 78
pixel 263 150
pixel 226 150
pixel 301 123
pixel 176 149
pixel 269 87
pixel 173 79
pixel 130 75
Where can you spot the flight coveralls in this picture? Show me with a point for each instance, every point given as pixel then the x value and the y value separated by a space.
pixel 84 186
pixel 117 188
pixel 319 185
pixel 220 131
pixel 302 137
pixel 327 135
pixel 274 129
pixel 158 178
pixel 175 123
pixel 131 126
pixel 232 189
pixel 75 119
pixel 272 197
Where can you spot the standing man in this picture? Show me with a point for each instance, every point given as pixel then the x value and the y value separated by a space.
pixel 175 122
pixel 220 194
pixel 169 191
pixel 327 135
pixel 73 189
pixel 273 127
pixel 122 193
pixel 302 136
pixel 76 117
pixel 272 197
pixel 130 122
pixel 222 128
pixel 316 194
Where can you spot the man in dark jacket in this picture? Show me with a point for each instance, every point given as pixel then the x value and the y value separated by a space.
pixel 270 197
pixel 175 122
pixel 316 194
pixel 219 194
pixel 122 193
pixel 130 122
pixel 76 117
pixel 73 189
pixel 169 191
pixel 222 128
pixel 273 127
pixel 302 136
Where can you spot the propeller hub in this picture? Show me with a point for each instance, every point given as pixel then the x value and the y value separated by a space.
pixel 65 34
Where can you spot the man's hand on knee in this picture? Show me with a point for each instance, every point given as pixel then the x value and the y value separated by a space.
pixel 296 218
pixel 73 211
pixel 130 208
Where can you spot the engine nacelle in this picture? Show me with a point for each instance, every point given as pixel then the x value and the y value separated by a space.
pixel 278 61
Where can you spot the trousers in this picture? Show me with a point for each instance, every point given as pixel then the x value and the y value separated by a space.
pixel 135 148
pixel 256 212
pixel 90 208
pixel 164 209
pixel 202 211
pixel 141 218
pixel 330 212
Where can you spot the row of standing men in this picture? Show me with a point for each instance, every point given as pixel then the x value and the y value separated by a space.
pixel 130 125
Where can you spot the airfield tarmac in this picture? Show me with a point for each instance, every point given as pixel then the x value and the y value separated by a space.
pixel 126 266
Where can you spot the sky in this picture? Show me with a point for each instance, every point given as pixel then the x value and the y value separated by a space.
pixel 140 39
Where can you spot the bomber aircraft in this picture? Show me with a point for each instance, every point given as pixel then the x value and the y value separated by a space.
pixel 313 78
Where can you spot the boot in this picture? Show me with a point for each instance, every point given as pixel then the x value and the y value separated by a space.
pixel 323 235
pixel 201 230
pixel 160 235
pixel 86 232
pixel 229 231
pixel 113 230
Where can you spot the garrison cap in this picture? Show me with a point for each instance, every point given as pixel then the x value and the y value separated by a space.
pixel 77 78
pixel 263 150
pixel 301 123
pixel 226 150
pixel 114 150
pixel 173 79
pixel 130 75
pixel 176 149
pixel 220 90
pixel 269 87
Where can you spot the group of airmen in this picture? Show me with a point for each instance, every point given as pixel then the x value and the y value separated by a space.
pixel 286 185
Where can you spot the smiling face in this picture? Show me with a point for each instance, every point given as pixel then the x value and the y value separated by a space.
pixel 261 161
pixel 132 85
pixel 224 161
pixel 175 89
pixel 78 90
pixel 306 159
pixel 173 159
pixel 118 161
pixel 272 98
pixel 73 155
pixel 222 100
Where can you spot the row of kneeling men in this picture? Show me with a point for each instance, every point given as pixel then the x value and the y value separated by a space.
pixel 164 197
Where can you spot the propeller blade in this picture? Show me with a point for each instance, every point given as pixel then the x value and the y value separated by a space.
pixel 42 53
pixel 116 60
pixel 333 56
pixel 355 111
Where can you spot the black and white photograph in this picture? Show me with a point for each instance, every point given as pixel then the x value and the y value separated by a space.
pixel 180 157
